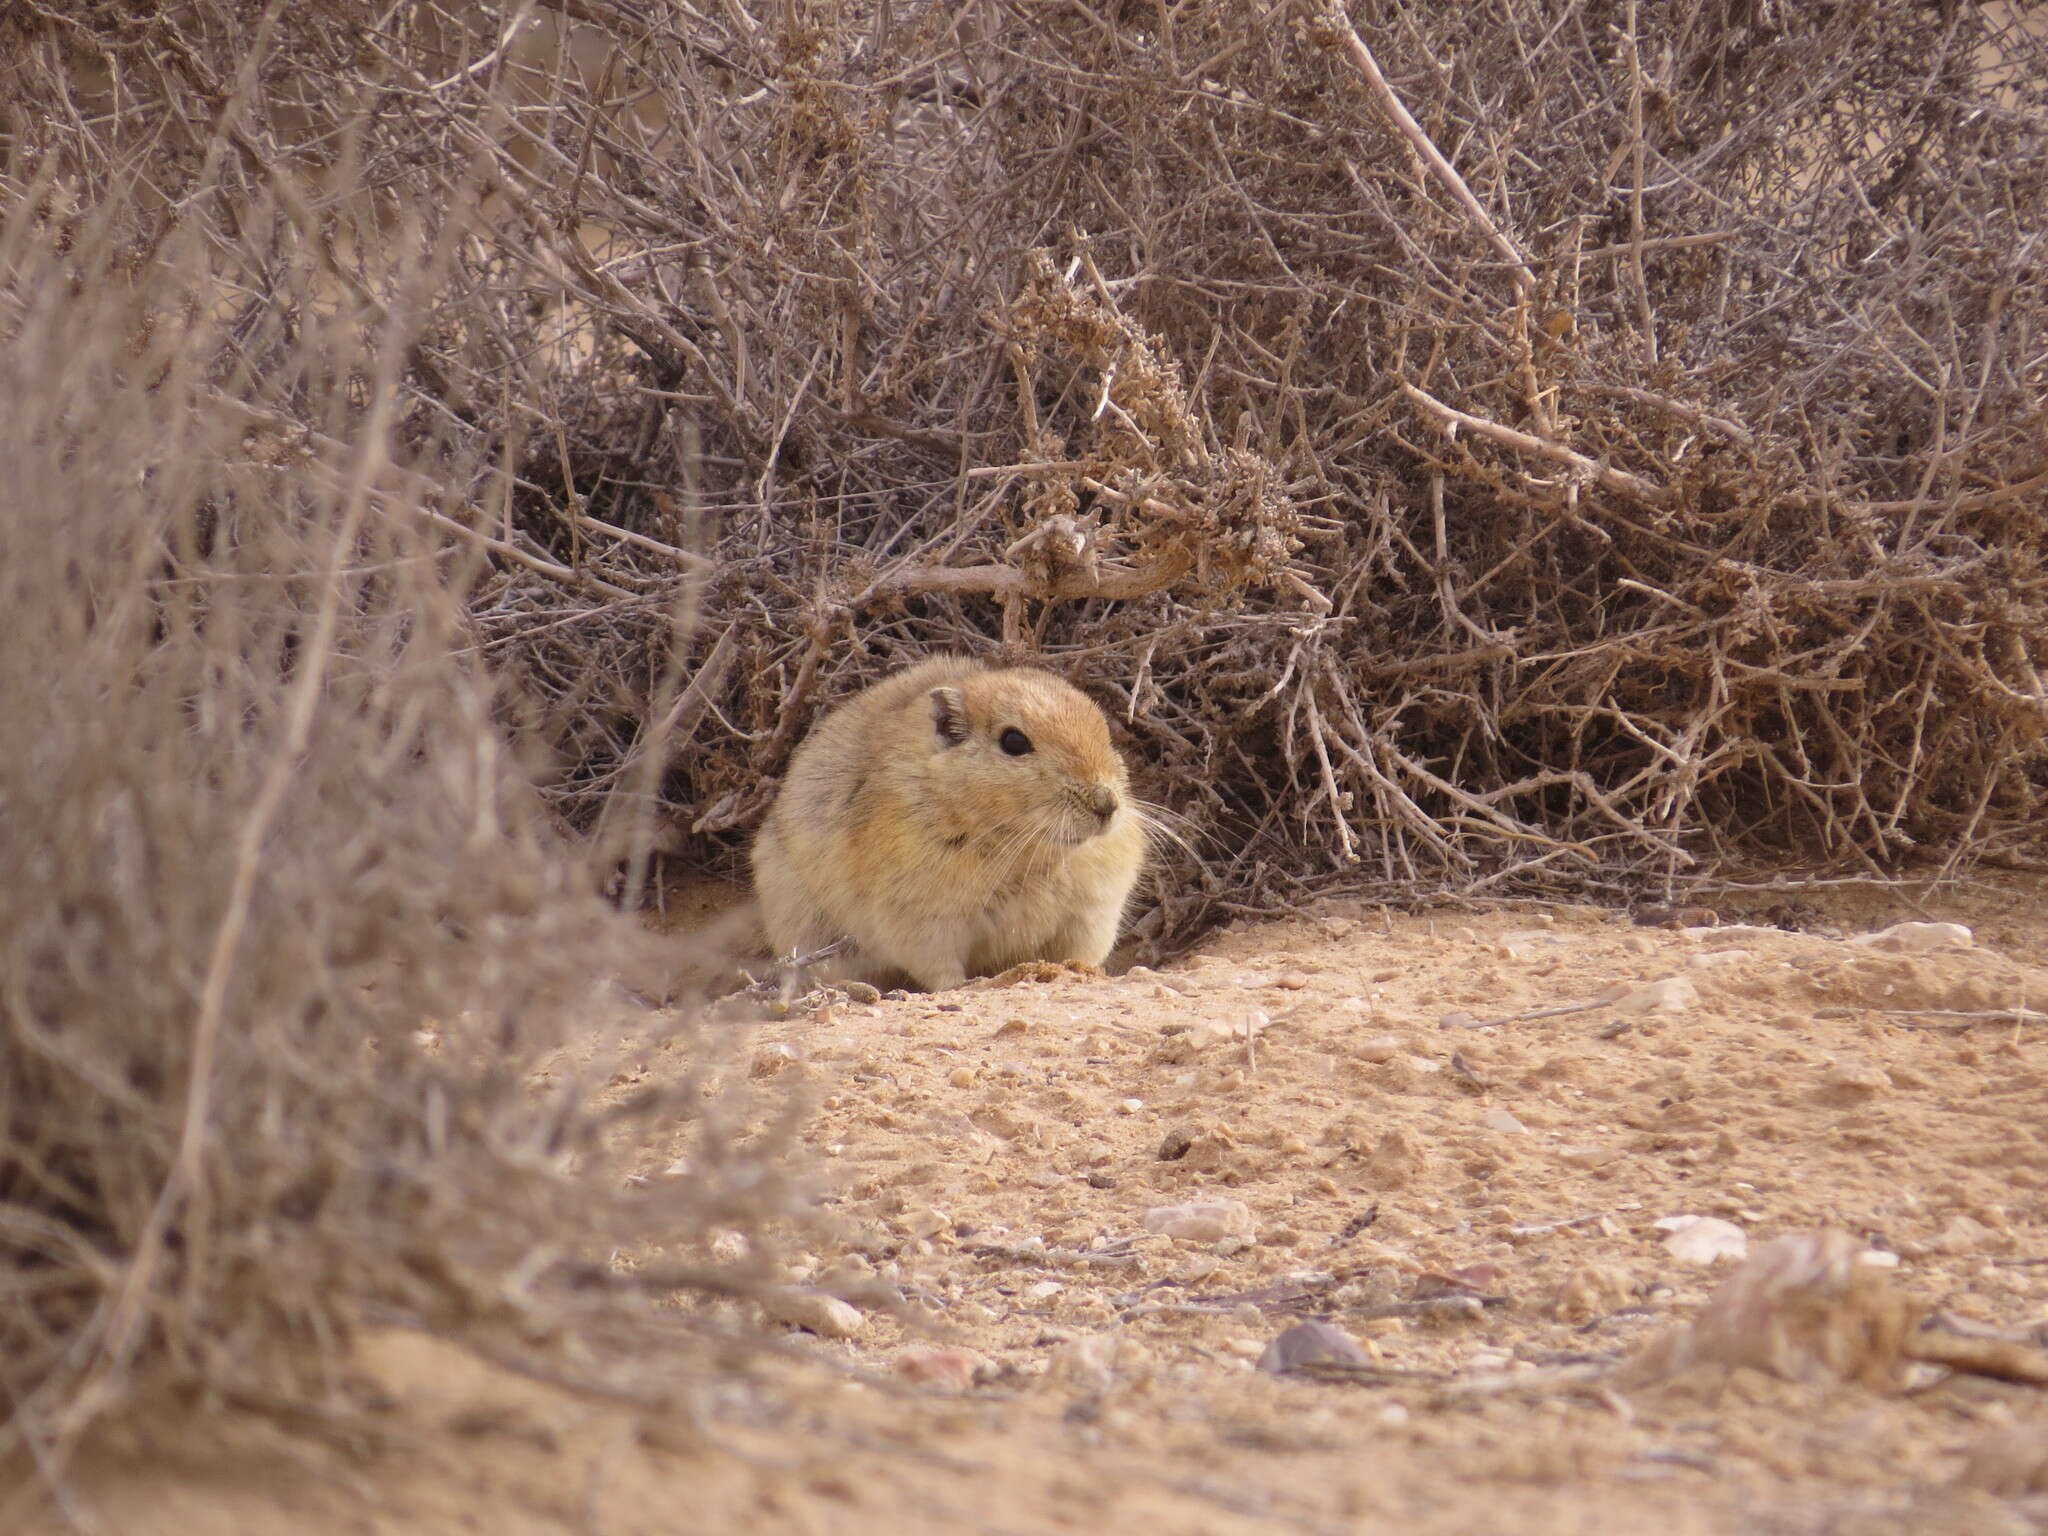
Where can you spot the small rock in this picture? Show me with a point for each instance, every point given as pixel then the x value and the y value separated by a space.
pixel 1244 1349
pixel 1917 938
pixel 1291 981
pixel 1011 1027
pixel 1498 1119
pixel 1044 1290
pixel 1851 1081
pixel 1129 1106
pixel 861 992
pixel 1703 1240
pixel 961 1077
pixel 948 1370
pixel 1201 1221
pixel 826 1316
pixel 922 1222
pixel 1174 1146
pixel 1673 994
pixel 1587 1156
pixel 1308 1342
pixel 1212 1033
pixel 1380 1048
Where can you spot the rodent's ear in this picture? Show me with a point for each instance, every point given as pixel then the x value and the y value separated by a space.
pixel 949 715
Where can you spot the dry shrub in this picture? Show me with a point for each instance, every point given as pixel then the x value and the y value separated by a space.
pixel 1508 446
pixel 287 930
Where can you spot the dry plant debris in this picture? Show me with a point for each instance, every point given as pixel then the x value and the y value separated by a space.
pixel 305 1004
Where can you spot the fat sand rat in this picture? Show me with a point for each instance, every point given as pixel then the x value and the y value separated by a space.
pixel 951 821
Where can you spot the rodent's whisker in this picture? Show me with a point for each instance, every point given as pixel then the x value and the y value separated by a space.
pixel 1154 820
pixel 1017 851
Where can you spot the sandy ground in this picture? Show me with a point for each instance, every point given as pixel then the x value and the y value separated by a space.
pixel 1401 1131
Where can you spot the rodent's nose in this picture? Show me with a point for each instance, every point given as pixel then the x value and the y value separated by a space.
pixel 1101 799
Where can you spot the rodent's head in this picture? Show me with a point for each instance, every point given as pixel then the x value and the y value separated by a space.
pixel 1022 753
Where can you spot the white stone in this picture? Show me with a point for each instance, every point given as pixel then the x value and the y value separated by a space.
pixel 1703 1240
pixel 1201 1221
pixel 1587 1156
pixel 1673 994
pixel 826 1316
pixel 1916 938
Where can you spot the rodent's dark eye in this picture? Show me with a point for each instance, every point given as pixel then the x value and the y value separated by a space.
pixel 1014 742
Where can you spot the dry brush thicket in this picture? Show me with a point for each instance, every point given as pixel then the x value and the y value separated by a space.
pixel 1496 446
pixel 1509 446
pixel 305 1004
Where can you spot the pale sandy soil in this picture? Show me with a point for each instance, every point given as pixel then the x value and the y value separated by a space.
pixel 995 1152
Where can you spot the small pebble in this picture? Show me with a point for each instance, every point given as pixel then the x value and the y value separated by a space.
pixel 922 1222
pixel 826 1316
pixel 1673 994
pixel 1308 1342
pixel 1917 938
pixel 1703 1240
pixel 1587 1156
pixel 1201 1221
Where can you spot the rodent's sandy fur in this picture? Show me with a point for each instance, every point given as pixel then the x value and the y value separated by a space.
pixel 944 862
